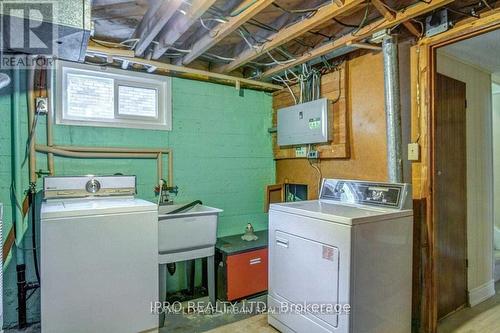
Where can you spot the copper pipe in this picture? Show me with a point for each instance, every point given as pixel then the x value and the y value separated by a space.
pixel 171 168
pixel 114 152
pixel 91 154
pixel 114 149
pixel 159 165
pixel 50 119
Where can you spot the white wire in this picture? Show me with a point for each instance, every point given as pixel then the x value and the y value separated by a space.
pixel 179 50
pixel 278 62
pixel 202 21
pixel 219 57
pixel 280 79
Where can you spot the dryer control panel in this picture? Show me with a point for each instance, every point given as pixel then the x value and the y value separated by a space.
pixel 391 195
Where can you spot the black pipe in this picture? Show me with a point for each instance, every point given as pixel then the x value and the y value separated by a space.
pixel 183 208
pixel 192 276
pixel 21 295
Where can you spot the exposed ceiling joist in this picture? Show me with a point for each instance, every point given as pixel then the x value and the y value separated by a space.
pixel 179 25
pixel 390 15
pixel 324 14
pixel 153 22
pixel 365 46
pixel 173 70
pixel 365 32
pixel 249 8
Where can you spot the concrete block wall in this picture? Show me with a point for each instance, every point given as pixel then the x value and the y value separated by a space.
pixel 222 156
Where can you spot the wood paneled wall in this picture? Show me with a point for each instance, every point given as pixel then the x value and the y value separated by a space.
pixel 366 126
pixel 334 87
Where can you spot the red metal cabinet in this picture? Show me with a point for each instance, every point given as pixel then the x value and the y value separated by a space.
pixel 241 266
pixel 246 274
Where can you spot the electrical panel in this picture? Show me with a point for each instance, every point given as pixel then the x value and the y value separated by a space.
pixel 437 23
pixel 305 123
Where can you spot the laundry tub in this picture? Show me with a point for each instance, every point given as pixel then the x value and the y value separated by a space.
pixel 186 235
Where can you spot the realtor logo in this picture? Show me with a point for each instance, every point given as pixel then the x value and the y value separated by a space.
pixel 26 27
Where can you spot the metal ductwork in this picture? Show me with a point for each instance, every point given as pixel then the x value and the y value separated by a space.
pixel 58 28
pixel 393 109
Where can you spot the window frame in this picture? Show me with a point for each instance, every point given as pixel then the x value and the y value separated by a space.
pixel 162 85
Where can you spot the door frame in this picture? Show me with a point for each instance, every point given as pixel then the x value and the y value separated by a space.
pixel 423 73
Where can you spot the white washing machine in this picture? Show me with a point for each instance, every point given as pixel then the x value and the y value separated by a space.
pixel 99 256
pixel 342 263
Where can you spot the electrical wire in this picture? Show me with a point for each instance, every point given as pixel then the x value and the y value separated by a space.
pixel 363 21
pixel 344 24
pixel 238 12
pixel 218 56
pixel 315 167
pixel 301 11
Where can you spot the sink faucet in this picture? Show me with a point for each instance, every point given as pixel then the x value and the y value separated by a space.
pixel 164 191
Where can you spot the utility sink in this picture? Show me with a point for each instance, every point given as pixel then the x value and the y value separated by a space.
pixel 188 231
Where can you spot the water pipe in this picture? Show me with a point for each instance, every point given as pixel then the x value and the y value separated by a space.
pixel 30 87
pixel 113 152
pixel 16 164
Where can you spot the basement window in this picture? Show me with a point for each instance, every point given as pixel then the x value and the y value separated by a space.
pixel 90 95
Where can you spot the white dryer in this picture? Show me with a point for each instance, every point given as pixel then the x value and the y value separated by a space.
pixel 99 256
pixel 342 263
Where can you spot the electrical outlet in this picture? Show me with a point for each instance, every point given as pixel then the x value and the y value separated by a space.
pixel 300 152
pixel 413 152
pixel 313 155
pixel 42 105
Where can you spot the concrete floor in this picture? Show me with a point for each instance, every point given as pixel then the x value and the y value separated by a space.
pixel 196 323
pixel 483 318
pixel 253 324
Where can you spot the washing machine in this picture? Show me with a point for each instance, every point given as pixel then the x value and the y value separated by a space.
pixel 342 263
pixel 99 256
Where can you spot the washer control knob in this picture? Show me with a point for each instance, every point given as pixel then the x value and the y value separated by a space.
pixel 93 186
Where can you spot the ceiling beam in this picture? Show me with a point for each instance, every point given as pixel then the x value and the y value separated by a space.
pixel 173 70
pixel 179 25
pixel 390 14
pixel 323 15
pixel 247 10
pixel 365 46
pixel 158 14
pixel 363 33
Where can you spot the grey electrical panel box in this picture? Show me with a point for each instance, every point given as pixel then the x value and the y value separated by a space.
pixel 304 123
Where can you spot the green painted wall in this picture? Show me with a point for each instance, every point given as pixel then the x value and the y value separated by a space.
pixel 222 156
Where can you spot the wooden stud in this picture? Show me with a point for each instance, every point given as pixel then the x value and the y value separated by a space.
pixel 382 9
pixel 365 32
pixel 390 15
pixel 249 8
pixel 153 21
pixel 174 70
pixel 179 25
pixel 324 14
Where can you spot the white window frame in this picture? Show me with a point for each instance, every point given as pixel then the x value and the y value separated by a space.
pixel 162 85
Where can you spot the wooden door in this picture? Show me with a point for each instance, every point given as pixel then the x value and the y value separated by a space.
pixel 450 194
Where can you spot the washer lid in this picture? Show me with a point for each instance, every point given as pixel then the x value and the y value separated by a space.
pixel 340 213
pixel 94 206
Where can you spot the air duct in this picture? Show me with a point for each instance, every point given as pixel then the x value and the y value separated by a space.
pixel 392 109
pixel 58 28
